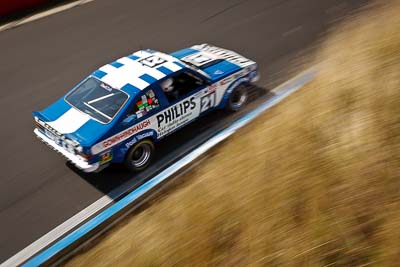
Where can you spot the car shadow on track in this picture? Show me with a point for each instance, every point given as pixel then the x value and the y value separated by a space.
pixel 115 181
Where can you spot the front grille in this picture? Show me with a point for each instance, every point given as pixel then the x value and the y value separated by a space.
pixel 60 139
pixel 53 131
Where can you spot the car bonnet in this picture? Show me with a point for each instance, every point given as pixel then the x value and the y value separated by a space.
pixel 72 123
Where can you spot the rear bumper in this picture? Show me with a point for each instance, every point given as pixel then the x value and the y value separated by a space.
pixel 75 159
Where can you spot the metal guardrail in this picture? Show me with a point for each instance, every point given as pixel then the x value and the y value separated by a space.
pixel 65 246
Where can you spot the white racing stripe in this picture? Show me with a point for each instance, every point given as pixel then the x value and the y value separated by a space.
pixel 281 91
pixel 141 69
pixel 170 61
pixel 70 121
pixel 122 76
pixel 107 68
pixel 131 71
pixel 171 66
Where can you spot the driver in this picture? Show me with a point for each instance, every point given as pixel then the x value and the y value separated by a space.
pixel 168 88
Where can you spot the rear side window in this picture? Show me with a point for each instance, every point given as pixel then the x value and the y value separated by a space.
pixel 144 104
pixel 183 84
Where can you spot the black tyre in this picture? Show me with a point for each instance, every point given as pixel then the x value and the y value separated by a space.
pixel 139 156
pixel 238 98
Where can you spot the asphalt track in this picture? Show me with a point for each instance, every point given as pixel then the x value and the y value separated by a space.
pixel 40 60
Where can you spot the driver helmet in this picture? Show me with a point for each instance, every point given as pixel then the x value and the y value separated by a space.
pixel 167 85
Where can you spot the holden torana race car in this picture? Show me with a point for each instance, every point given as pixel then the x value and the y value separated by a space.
pixel 117 113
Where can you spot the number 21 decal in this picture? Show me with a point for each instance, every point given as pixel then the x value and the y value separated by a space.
pixel 207 102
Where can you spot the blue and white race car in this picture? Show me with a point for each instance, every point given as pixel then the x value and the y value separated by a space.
pixel 121 110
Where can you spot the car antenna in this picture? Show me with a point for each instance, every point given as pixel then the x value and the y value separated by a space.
pixel 141 52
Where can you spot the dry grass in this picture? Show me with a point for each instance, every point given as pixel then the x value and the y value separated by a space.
pixel 313 182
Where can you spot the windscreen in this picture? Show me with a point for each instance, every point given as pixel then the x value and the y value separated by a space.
pixel 97 99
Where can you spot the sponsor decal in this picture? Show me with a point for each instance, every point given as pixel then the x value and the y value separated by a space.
pixel 131 143
pixel 144 135
pixel 137 138
pixel 211 88
pixel 146 103
pixel 171 114
pixel 125 134
pixel 105 86
pixel 207 102
pixel 105 157
pixel 177 115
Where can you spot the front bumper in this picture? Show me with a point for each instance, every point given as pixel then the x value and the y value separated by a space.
pixel 78 161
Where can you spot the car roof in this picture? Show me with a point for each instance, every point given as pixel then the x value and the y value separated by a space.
pixel 137 71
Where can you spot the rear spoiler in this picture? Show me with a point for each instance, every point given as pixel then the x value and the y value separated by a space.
pixel 222 53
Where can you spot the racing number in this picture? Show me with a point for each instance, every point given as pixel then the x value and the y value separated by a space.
pixel 198 59
pixel 207 102
pixel 152 61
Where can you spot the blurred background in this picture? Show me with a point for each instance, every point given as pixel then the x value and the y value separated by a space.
pixel 315 181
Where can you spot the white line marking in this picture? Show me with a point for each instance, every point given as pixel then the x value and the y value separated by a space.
pixel 43 14
pixel 106 200
pixel 57 232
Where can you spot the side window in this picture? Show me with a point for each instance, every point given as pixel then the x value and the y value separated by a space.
pixel 144 104
pixel 180 85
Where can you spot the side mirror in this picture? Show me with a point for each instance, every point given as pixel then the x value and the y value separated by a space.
pixel 129 119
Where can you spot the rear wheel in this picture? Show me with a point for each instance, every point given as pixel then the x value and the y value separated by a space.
pixel 140 155
pixel 237 98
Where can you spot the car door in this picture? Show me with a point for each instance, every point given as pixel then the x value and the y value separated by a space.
pixel 189 98
pixel 141 111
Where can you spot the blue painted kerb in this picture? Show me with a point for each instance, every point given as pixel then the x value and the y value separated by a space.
pixel 90 225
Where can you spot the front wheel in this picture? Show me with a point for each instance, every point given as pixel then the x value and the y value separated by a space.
pixel 139 156
pixel 237 98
